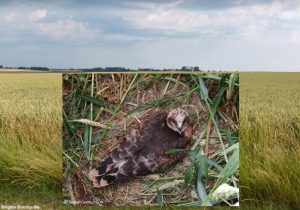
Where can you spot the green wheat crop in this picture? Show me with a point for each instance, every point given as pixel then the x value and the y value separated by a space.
pixel 30 130
pixel 270 138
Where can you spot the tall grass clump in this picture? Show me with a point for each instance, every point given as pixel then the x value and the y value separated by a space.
pixel 270 141
pixel 30 131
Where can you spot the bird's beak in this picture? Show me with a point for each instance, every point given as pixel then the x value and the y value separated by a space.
pixel 179 130
pixel 179 126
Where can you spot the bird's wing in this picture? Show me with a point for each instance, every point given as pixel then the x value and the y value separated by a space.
pixel 112 167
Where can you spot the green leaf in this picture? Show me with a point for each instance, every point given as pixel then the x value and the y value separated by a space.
pixel 158 77
pixel 66 124
pixel 159 198
pixel 212 76
pixel 230 168
pixel 91 99
pixel 202 166
pixel 169 185
pixel 232 79
pixel 192 153
pixel 222 82
pixel 189 174
pixel 172 151
pixel 86 141
pixel 203 89
pixel 229 139
pixel 205 159
pixel 66 76
pixel 68 129
pixel 217 100
pixel 202 194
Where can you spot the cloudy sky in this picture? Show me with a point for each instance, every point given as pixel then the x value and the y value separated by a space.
pixel 216 34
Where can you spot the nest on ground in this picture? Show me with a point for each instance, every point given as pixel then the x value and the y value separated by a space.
pixel 124 111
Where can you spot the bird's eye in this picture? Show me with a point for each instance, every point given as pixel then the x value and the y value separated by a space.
pixel 173 121
pixel 185 121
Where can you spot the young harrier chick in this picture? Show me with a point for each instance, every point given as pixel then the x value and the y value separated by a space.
pixel 143 152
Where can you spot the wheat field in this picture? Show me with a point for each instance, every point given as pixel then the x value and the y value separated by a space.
pixel 30 134
pixel 270 138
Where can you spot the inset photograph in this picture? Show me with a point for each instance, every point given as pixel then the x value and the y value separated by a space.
pixel 151 139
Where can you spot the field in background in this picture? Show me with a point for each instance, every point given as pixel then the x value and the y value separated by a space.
pixel 270 138
pixel 269 135
pixel 30 137
pixel 16 70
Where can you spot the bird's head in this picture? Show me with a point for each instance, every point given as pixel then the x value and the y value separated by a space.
pixel 178 120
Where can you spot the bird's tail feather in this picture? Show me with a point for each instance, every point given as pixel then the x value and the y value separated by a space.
pixel 106 174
